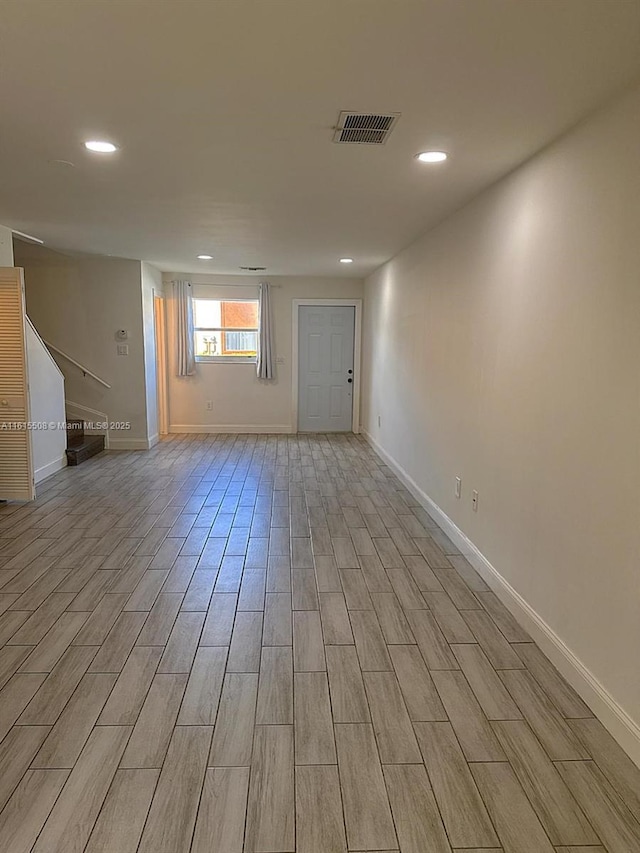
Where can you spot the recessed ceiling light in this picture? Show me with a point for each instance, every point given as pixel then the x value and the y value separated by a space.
pixel 100 146
pixel 205 257
pixel 346 260
pixel 431 156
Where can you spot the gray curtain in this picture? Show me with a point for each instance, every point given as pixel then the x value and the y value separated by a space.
pixel 184 328
pixel 266 356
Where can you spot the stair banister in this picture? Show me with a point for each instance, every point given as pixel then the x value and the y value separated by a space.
pixel 85 370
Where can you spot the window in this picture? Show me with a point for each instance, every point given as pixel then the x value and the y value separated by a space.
pixel 225 329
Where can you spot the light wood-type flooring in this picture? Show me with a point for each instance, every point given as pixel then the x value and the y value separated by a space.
pixel 263 644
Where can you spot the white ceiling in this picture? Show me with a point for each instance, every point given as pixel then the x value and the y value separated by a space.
pixel 224 111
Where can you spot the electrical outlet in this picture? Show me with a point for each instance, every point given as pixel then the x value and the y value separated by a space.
pixel 378 420
pixel 209 405
pixel 458 486
pixel 474 501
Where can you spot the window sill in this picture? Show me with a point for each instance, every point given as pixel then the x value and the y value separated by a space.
pixel 225 359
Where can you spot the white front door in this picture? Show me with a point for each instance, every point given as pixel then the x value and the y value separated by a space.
pixel 325 368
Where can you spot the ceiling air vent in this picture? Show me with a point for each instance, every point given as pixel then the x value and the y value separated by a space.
pixel 364 128
pixel 253 269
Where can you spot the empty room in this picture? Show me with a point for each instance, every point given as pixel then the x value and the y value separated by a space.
pixel 319 426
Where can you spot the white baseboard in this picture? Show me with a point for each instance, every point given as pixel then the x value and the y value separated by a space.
pixel 267 429
pixel 623 727
pixel 131 443
pixel 50 468
pixel 128 444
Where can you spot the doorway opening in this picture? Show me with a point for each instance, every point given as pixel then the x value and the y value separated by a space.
pixel 160 329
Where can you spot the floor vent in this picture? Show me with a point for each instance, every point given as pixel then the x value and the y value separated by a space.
pixel 364 128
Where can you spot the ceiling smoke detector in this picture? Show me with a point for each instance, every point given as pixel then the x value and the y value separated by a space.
pixel 364 128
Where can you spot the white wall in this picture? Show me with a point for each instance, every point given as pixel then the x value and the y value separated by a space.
pixel 151 285
pixel 504 347
pixel 78 304
pixel 240 400
pixel 6 247
pixel 46 406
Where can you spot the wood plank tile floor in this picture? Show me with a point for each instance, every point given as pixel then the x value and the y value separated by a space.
pixel 263 644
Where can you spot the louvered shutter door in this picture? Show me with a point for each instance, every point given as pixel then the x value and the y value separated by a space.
pixel 16 464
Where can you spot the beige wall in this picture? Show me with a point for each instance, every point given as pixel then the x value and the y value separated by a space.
pixel 240 400
pixel 78 303
pixel 6 246
pixel 504 347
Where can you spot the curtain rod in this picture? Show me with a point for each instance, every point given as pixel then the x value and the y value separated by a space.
pixel 204 284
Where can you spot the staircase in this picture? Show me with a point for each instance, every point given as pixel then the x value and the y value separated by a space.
pixel 81 447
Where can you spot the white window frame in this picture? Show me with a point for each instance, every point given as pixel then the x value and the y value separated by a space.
pixel 225 359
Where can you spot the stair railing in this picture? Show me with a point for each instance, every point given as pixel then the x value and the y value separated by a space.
pixel 85 370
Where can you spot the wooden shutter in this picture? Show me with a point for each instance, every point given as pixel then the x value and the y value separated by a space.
pixel 16 464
